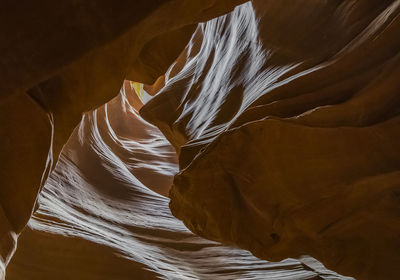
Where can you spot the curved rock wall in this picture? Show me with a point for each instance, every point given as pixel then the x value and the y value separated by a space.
pixel 286 120
pixel 63 58
pixel 284 115
pixel 101 215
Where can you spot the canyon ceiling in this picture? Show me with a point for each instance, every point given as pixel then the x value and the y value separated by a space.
pixel 175 139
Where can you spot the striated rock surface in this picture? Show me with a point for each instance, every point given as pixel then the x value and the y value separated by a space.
pixel 63 58
pixel 101 215
pixel 285 115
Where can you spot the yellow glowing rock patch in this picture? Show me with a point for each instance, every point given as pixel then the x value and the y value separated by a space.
pixel 138 87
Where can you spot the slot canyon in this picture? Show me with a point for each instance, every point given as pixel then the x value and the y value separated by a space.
pixel 200 139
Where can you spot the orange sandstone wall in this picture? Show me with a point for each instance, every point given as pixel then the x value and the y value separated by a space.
pixel 63 58
pixel 285 115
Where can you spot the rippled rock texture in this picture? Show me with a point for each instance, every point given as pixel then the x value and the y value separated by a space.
pixel 282 121
pixel 102 214
pixel 285 115
pixel 63 58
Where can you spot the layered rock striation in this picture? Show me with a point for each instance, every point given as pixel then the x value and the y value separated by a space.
pixel 61 59
pixel 286 120
pixel 102 213
pixel 284 116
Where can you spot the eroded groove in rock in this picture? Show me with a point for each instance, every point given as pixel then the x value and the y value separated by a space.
pixel 284 115
pixel 100 216
pixel 308 162
pixel 61 59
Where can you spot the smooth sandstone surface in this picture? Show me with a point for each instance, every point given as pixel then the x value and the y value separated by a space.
pixel 63 58
pixel 102 215
pixel 284 116
pixel 286 120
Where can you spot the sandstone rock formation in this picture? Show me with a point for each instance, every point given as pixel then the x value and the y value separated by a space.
pixel 63 58
pixel 99 217
pixel 286 120
pixel 284 116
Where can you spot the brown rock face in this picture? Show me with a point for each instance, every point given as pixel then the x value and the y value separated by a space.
pixel 63 58
pixel 101 215
pixel 284 115
pixel 286 120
